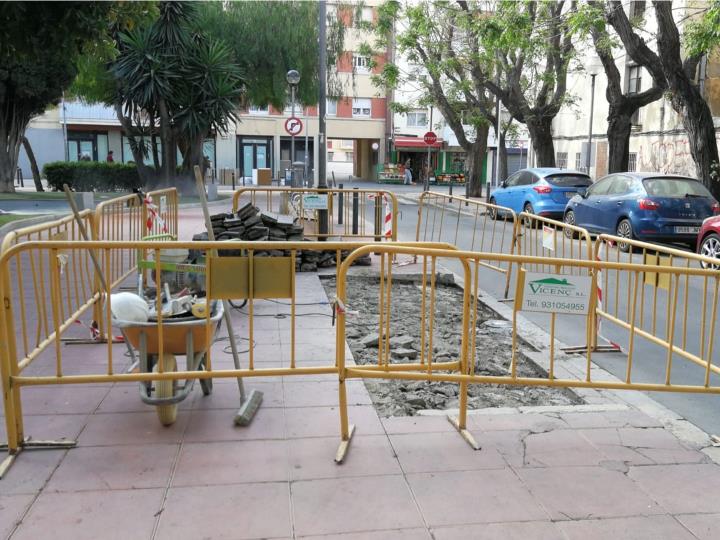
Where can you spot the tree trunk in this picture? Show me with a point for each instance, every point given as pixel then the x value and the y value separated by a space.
pixel 503 155
pixel 146 177
pixel 33 164
pixel 618 134
pixel 476 153
pixel 540 130
pixel 169 151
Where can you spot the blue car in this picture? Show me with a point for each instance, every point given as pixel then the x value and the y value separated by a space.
pixel 643 206
pixel 541 191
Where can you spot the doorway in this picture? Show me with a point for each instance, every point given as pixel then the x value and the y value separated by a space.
pixel 254 153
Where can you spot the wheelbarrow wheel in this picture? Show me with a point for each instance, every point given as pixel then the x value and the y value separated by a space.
pixel 166 389
pixel 206 385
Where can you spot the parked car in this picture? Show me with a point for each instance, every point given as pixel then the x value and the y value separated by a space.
pixel 708 240
pixel 643 206
pixel 541 191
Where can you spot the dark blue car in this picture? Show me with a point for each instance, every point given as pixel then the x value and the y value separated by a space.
pixel 643 206
pixel 542 191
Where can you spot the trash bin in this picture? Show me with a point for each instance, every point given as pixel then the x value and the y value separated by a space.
pixel 298 168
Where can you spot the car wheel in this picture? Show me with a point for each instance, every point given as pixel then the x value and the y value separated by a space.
pixel 493 211
pixel 569 220
pixel 624 230
pixel 528 209
pixel 710 247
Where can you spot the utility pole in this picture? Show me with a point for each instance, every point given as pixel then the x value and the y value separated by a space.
pixel 426 181
pixel 322 98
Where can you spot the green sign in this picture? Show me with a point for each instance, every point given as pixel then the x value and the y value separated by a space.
pixel 552 293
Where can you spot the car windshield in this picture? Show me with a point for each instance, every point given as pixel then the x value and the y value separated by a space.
pixel 569 180
pixel 675 188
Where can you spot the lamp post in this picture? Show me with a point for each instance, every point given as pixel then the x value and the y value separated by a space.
pixel 593 70
pixel 292 78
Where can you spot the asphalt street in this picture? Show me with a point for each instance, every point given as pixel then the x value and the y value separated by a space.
pixel 649 361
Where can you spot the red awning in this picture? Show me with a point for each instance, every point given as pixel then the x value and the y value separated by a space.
pixel 415 142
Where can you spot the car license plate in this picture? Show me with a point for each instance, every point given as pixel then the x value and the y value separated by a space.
pixel 687 230
pixel 569 194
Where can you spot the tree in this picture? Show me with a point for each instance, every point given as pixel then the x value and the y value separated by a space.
pixel 33 164
pixel 531 43
pixel 668 68
pixel 621 105
pixel 441 38
pixel 39 45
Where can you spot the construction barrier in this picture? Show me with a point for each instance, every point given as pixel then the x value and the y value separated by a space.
pixel 347 209
pixel 570 287
pixel 33 351
pixel 636 304
pixel 489 228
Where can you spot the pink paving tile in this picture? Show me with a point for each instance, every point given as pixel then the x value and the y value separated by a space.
pixel 396 534
pixel 681 489
pixel 396 425
pixel 232 462
pixel 430 452
pixel 115 467
pixel 518 421
pixel 561 447
pixel 62 399
pixel 609 419
pixel 703 526
pixel 531 530
pixel 649 438
pixel 225 394
pixel 92 514
pixel 233 512
pixel 607 441
pixel 587 492
pixel 126 398
pixel 631 528
pixel 509 444
pixel 368 455
pixel 132 428
pixel 353 505
pixel 665 456
pixel 12 508
pixel 30 471
pixel 452 498
pixel 217 425
pixel 318 394
pixel 54 427
pixel 325 421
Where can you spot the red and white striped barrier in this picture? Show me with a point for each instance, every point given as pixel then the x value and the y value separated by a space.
pixel 153 216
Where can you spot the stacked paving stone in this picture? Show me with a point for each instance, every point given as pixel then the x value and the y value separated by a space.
pixel 250 224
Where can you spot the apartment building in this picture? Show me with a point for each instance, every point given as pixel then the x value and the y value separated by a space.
pixel 356 125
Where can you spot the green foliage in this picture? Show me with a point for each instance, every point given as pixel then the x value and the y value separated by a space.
pixel 703 35
pixel 91 176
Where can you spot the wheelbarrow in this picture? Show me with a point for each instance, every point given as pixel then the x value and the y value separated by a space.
pixel 181 336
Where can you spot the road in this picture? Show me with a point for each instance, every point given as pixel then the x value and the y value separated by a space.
pixel 649 361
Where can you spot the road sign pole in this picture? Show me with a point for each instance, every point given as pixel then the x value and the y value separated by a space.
pixel 426 182
pixel 292 138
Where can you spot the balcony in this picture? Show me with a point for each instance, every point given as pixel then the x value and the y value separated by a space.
pixel 77 112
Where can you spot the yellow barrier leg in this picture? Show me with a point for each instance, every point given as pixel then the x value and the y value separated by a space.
pixel 460 421
pixel 347 430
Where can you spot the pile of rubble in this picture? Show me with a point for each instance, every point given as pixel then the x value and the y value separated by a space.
pixel 251 224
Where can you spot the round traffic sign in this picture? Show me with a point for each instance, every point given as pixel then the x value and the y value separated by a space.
pixel 293 126
pixel 430 138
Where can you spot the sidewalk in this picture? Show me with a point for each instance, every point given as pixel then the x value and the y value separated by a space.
pixel 604 470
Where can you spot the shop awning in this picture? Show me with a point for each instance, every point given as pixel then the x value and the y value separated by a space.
pixel 415 142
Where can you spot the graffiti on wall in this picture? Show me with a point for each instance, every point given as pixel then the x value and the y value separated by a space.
pixel 668 156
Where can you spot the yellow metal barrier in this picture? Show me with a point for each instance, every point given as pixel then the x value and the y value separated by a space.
pixel 538 236
pixel 63 295
pixel 488 227
pixel 292 200
pixel 570 287
pixel 163 214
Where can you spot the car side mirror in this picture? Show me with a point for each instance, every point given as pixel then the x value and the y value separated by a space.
pixel 583 192
pixel 503 184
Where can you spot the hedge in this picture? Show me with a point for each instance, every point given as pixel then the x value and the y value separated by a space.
pixel 91 176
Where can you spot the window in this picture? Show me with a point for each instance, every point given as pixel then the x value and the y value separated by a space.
pixel 417 119
pixel 561 159
pixel 637 9
pixel 361 107
pixel 620 186
pixel 361 63
pixel 526 178
pixel 512 180
pixel 602 187
pixel 632 162
pixel 634 79
pixel 258 109
pixel 367 14
pixel 331 107
pixel 87 146
pixel 578 161
pixel 569 180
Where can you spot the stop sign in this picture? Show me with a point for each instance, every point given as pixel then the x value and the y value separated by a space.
pixel 430 138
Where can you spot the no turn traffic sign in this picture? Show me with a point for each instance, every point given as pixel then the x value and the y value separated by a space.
pixel 293 126
pixel 430 138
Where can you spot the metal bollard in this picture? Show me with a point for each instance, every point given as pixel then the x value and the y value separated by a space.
pixel 378 217
pixel 340 203
pixel 450 193
pixel 355 209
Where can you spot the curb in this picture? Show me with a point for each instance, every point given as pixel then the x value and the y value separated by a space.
pixel 20 223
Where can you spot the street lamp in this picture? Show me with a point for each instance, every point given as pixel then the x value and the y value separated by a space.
pixel 593 69
pixel 293 79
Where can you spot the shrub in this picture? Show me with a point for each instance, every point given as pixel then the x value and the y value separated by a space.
pixel 91 176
